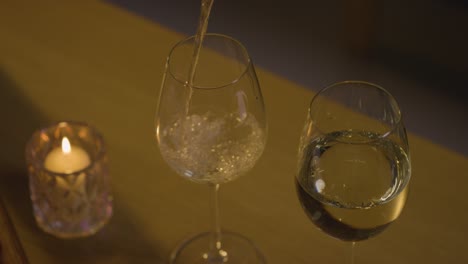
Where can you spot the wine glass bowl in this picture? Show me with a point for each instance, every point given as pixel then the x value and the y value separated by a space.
pixel 211 128
pixel 354 164
pixel 215 129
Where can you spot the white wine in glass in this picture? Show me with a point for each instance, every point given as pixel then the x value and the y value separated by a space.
pixel 211 128
pixel 354 165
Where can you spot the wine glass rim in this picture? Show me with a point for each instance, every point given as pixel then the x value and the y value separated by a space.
pixel 235 80
pixel 387 93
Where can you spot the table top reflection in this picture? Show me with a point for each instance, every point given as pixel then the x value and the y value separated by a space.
pixel 93 62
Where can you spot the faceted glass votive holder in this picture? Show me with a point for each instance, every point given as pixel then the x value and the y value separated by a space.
pixel 69 179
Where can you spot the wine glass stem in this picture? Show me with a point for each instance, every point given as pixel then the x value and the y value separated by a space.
pixel 215 243
pixel 353 256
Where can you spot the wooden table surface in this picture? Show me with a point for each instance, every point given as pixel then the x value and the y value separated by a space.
pixel 93 62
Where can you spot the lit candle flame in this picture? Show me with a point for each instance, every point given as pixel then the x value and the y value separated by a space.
pixel 66 148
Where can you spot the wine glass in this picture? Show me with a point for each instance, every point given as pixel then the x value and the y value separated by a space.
pixel 354 164
pixel 211 128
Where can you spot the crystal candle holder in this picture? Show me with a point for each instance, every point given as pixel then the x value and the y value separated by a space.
pixel 69 179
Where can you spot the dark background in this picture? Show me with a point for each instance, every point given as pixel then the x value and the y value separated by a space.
pixel 415 49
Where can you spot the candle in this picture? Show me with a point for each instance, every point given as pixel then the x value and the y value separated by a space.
pixel 68 179
pixel 67 159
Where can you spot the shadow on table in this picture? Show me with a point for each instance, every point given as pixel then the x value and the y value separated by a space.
pixel 19 119
pixel 121 241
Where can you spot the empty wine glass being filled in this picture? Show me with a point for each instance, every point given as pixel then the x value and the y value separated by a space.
pixel 211 128
pixel 354 164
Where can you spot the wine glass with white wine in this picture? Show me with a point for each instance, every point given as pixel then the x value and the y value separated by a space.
pixel 354 164
pixel 211 128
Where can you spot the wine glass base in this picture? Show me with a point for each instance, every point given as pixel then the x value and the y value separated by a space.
pixel 235 249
